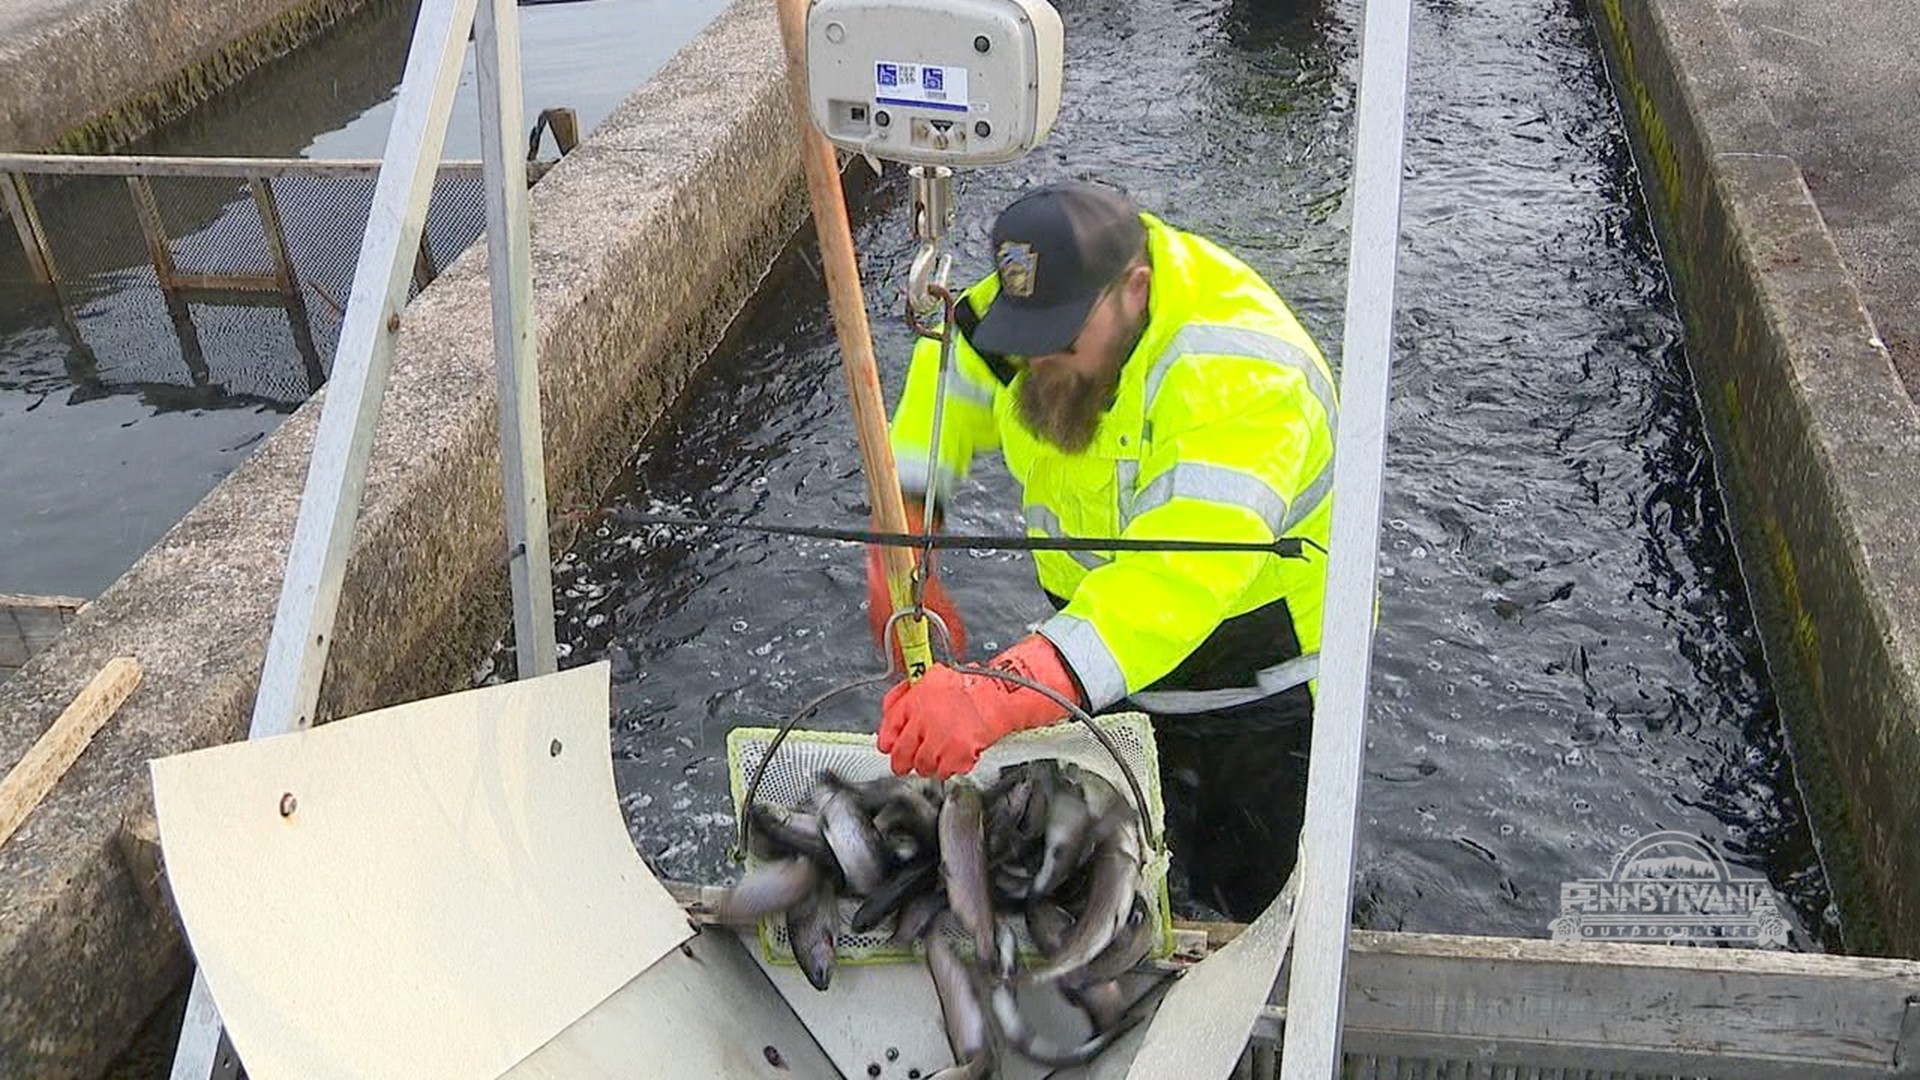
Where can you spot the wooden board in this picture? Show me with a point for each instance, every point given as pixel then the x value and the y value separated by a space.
pixel 57 748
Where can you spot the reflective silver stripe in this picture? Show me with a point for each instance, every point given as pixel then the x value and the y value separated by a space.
pixel 1047 523
pixel 911 464
pixel 1092 662
pixel 1309 500
pixel 1214 484
pixel 959 386
pixel 1127 472
pixel 1237 341
pixel 1267 682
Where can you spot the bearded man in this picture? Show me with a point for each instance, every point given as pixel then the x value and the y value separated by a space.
pixel 1141 383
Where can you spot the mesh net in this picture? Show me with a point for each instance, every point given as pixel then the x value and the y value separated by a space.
pixel 205 347
pixel 791 776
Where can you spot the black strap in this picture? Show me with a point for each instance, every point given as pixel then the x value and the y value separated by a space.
pixel 968 320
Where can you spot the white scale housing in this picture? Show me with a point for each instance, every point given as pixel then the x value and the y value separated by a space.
pixel 959 83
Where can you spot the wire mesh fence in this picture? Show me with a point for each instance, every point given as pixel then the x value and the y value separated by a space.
pixel 172 279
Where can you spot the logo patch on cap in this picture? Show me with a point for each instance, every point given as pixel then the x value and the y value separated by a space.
pixel 1018 264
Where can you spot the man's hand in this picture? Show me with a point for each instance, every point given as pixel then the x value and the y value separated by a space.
pixel 935 599
pixel 940 725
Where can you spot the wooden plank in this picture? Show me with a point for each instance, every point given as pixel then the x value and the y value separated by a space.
pixel 23 600
pixel 55 751
pixel 239 168
pixel 1635 1007
pixel 226 283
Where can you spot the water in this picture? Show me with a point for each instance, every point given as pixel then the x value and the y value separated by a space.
pixel 105 444
pixel 1566 657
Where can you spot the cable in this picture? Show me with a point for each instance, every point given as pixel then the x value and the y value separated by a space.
pixel 1287 547
pixel 760 770
pixel 1073 708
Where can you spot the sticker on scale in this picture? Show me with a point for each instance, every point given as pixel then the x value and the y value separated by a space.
pixel 922 86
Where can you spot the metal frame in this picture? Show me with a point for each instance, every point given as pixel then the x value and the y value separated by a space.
pixel 1316 989
pixel 336 475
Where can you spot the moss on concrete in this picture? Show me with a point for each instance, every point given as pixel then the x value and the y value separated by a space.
pixel 1815 441
pixel 115 127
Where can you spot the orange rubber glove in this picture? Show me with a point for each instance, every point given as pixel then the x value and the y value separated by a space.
pixel 939 725
pixel 936 600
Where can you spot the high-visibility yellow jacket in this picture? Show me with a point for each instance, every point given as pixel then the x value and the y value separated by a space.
pixel 1222 429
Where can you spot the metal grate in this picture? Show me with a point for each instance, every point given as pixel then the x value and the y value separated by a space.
pixel 165 274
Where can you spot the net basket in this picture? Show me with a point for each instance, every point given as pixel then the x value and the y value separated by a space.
pixel 791 776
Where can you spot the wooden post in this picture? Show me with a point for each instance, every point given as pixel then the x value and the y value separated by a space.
pixel 423 269
pixel 566 129
pixel 856 341
pixel 155 230
pixel 51 755
pixel 26 221
pixel 276 234
pixel 295 301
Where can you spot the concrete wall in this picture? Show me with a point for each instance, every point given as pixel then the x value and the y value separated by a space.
pixel 89 76
pixel 1817 442
pixel 646 242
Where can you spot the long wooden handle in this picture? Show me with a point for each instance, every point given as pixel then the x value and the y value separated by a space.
pixel 51 755
pixel 856 341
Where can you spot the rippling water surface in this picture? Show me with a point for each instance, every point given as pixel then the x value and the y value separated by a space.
pixel 1566 659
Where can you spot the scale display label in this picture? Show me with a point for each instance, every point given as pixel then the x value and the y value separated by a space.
pixel 924 86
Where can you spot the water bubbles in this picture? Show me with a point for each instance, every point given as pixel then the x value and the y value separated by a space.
pixel 1506 828
pixel 681 803
pixel 1629 831
pixel 596 620
pixel 1582 806
pixel 1419 551
pixel 763 649
pixel 1397 524
pixel 1573 758
pixel 739 626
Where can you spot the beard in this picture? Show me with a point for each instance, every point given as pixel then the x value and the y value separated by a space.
pixel 1064 407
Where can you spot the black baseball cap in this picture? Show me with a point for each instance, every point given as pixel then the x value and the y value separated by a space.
pixel 1057 249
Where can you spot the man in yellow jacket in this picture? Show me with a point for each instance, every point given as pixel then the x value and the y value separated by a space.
pixel 1141 383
